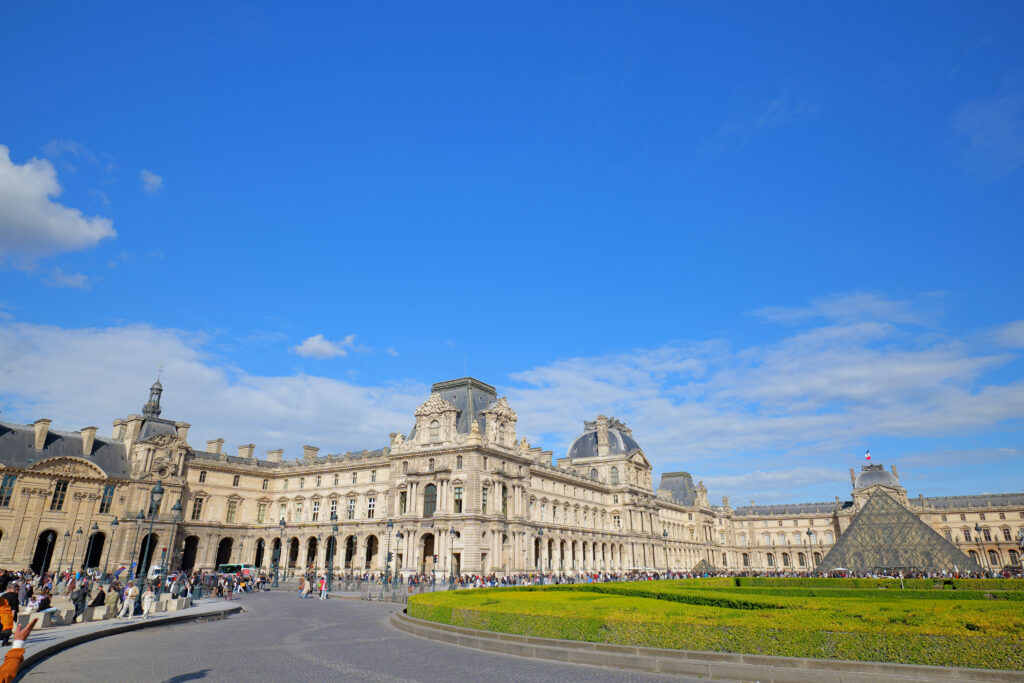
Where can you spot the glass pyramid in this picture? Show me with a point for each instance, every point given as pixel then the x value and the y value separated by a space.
pixel 703 567
pixel 884 535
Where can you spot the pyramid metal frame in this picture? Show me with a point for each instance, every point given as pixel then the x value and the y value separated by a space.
pixel 884 535
pixel 703 567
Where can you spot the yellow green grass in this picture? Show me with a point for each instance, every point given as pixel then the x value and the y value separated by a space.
pixel 980 625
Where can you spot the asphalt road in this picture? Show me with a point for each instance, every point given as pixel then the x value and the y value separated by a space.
pixel 283 638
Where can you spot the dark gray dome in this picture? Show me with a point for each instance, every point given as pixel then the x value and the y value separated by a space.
pixel 875 474
pixel 620 441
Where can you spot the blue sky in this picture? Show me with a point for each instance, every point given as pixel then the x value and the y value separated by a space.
pixel 767 237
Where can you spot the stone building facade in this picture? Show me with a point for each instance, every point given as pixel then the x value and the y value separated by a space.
pixel 459 493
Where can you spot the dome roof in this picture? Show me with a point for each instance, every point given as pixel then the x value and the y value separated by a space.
pixel 875 474
pixel 620 439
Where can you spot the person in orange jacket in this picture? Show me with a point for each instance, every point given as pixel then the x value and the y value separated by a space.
pixel 12 662
pixel 6 622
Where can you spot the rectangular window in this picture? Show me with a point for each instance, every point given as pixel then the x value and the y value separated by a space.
pixel 232 510
pixel 59 491
pixel 302 482
pixel 948 534
pixel 982 516
pixel 371 503
pixel 334 509
pixel 316 510
pixel 202 476
pixel 402 497
pixel 987 533
pixel 351 513
pixel 618 522
pixel 266 484
pixel 1006 534
pixel 967 534
pixel 261 513
pixel 236 480
pixel 483 502
pixel 107 499
pixel 7 489
pixel 197 509
pixel 373 475
pixel 285 485
pixel 458 499
pixel 354 477
pixel 298 512
pixel 335 479
pixel 829 537
pixel 318 481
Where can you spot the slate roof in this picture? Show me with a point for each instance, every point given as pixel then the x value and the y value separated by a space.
pixel 978 501
pixel 470 396
pixel 680 485
pixel 17 441
pixel 790 509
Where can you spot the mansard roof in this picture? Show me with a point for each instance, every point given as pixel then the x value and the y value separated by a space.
pixel 17 449
pixel 680 485
pixel 790 509
pixel 978 501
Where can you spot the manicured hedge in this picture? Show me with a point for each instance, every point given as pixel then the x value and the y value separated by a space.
pixel 639 590
pixel 926 584
pixel 879 593
pixel 959 651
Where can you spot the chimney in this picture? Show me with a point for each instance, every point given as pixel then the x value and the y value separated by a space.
pixel 602 435
pixel 214 446
pixel 275 455
pixel 246 450
pixel 853 478
pixel 895 473
pixel 119 425
pixel 88 439
pixel 182 428
pixel 309 453
pixel 42 426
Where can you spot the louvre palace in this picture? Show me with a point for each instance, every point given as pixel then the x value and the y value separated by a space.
pixel 459 493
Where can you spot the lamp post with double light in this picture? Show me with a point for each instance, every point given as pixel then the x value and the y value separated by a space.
pixel 981 550
pixel 664 538
pixel 387 556
pixel 156 494
pixel 113 534
pixel 334 549
pixel 280 552
pixel 44 565
pixel 168 557
pixel 67 537
pixel 451 559
pixel 398 539
pixel 74 553
pixel 89 546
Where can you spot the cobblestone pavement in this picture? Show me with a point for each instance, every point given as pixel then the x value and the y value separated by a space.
pixel 282 638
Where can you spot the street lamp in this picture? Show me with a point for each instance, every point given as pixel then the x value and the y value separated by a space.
pixel 67 537
pixel 280 551
pixel 74 553
pixel 46 556
pixel 334 549
pixel 387 555
pixel 88 548
pixel 540 563
pixel 135 544
pixel 113 533
pixel 168 557
pixel 981 551
pixel 664 536
pixel 451 559
pixel 155 496
pixel 398 537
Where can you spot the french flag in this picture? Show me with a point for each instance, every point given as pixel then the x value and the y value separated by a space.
pixel 867 456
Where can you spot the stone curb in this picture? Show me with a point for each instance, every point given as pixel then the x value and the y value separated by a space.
pixel 721 665
pixel 37 654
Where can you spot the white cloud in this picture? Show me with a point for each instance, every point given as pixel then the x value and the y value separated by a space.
pixel 1010 335
pixel 151 182
pixel 91 376
pixel 32 225
pixel 320 348
pixel 61 279
pixel 846 307
pixel 994 129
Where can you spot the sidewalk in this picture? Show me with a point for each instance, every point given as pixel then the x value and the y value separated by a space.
pixel 49 641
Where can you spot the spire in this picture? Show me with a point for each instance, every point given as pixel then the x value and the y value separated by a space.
pixel 152 407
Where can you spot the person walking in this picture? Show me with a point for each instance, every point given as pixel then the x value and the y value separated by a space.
pixel 148 598
pixel 78 598
pixel 110 600
pixel 131 594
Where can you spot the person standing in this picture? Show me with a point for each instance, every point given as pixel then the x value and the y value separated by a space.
pixel 78 598
pixel 131 594
pixel 148 598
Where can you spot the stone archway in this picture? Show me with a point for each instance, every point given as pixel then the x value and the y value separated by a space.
pixel 311 548
pixel 372 550
pixel 331 551
pixel 350 552
pixel 45 546
pixel 94 550
pixel 224 549
pixel 147 547
pixel 188 555
pixel 427 554
pixel 293 552
pixel 261 547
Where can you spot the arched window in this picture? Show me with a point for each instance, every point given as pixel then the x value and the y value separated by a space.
pixel 435 431
pixel 501 433
pixel 817 558
pixel 771 560
pixel 1014 557
pixel 405 467
pixel 429 500
pixel 615 475
pixel 430 464
pixel 725 561
pixel 593 474
pixel 766 539
pixel 785 559
pixel 458 462
pixel 973 555
pixel 993 559
pixel 746 560
pixel 801 559
pixel 812 537
pixel 967 533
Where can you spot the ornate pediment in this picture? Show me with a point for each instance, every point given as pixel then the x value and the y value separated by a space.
pixel 501 410
pixel 435 405
pixel 69 467
pixel 169 441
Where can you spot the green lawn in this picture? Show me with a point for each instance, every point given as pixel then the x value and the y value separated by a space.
pixel 973 624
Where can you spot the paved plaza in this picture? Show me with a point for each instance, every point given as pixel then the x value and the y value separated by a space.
pixel 281 638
